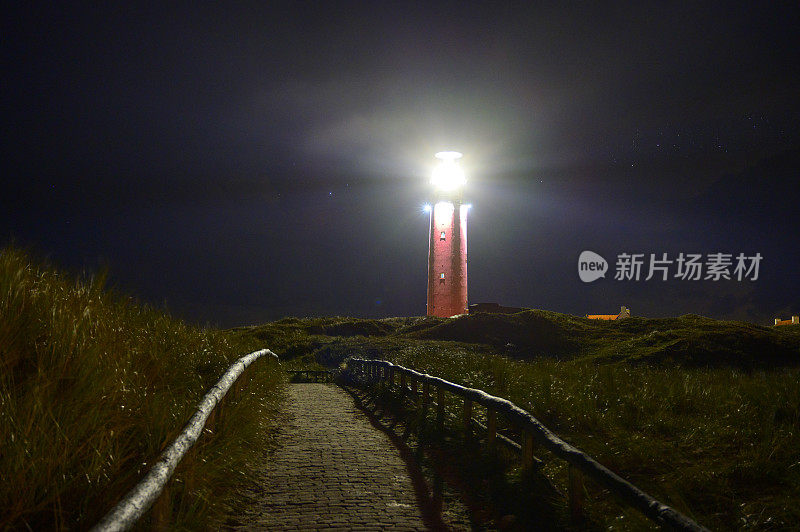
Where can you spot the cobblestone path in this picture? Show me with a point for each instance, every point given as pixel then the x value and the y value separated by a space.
pixel 333 470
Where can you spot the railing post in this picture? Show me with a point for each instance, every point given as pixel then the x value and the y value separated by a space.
pixel 491 429
pixel 402 385
pixel 414 396
pixel 391 377
pixel 527 449
pixel 467 418
pixel 575 494
pixel 440 407
pixel 425 400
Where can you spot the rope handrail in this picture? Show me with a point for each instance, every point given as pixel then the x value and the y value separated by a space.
pixel 139 498
pixel 655 510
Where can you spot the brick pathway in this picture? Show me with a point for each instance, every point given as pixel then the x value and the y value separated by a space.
pixel 333 470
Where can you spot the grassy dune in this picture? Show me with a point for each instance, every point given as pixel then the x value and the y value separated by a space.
pixel 701 413
pixel 92 388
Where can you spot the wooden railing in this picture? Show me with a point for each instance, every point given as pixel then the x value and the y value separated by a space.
pixel 533 433
pixel 140 498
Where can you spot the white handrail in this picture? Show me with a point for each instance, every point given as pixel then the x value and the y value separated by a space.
pixel 139 499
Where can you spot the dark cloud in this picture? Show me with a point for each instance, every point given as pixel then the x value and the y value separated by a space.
pixel 271 158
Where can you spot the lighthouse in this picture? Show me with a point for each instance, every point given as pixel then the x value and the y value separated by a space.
pixel 447 240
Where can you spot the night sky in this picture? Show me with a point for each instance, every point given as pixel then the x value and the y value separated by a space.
pixel 240 163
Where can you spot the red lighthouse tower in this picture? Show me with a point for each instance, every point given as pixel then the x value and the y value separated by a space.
pixel 447 244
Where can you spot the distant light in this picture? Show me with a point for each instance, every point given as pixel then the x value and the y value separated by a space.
pixel 468 206
pixel 426 208
pixel 448 175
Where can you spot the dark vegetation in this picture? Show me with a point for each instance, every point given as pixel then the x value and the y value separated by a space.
pixel 688 341
pixel 700 413
pixel 93 386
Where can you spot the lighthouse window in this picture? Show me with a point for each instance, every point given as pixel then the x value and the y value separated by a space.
pixel 441 237
pixel 441 276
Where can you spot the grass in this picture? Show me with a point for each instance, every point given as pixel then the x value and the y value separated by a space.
pixel 93 386
pixel 700 413
pixel 703 414
pixel 720 444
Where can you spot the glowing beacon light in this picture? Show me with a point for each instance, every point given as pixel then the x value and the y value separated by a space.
pixel 447 240
pixel 448 175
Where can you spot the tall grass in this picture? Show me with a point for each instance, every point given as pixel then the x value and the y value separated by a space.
pixel 720 444
pixel 93 386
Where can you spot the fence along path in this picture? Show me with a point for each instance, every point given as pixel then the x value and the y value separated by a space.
pixel 142 496
pixel 580 464
pixel 332 470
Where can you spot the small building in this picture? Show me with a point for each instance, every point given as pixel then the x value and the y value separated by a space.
pixel 624 312
pixel 794 321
